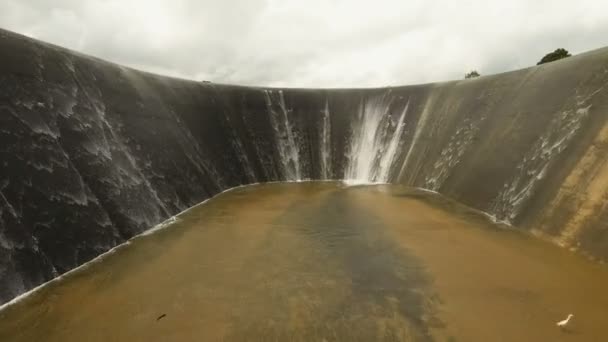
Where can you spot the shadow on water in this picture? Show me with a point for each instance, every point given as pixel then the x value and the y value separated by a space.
pixel 322 262
pixel 345 279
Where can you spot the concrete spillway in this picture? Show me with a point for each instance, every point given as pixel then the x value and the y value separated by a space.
pixel 321 261
pixel 93 153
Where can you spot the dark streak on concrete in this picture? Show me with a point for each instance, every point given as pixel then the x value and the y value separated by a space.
pixel 93 153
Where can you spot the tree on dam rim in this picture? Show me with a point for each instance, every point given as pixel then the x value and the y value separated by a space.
pixel 554 56
pixel 472 74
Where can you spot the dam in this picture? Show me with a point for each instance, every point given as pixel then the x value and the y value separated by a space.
pixel 463 210
pixel 316 261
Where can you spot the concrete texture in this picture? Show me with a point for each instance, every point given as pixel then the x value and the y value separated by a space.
pixel 93 153
pixel 322 261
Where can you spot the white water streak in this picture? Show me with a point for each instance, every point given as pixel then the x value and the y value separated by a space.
pixel 326 163
pixel 388 158
pixel 285 137
pixel 420 126
pixel 375 141
pixel 453 152
pixel 535 164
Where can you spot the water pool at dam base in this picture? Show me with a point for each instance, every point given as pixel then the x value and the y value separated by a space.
pixel 322 261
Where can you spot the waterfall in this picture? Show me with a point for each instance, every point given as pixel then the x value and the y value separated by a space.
pixel 285 137
pixel 325 144
pixel 389 155
pixel 532 169
pixel 374 141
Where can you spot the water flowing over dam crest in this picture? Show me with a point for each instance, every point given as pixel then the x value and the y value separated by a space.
pixel 93 153
pixel 314 261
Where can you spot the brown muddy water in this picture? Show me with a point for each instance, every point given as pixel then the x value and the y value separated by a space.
pixel 322 262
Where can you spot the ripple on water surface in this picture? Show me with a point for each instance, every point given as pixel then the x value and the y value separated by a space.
pixel 322 262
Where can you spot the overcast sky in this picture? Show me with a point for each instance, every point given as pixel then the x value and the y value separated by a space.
pixel 314 43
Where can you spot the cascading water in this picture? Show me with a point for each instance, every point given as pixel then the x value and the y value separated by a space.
pixel 533 168
pixel 285 136
pixel 375 141
pixel 325 144
pixel 388 157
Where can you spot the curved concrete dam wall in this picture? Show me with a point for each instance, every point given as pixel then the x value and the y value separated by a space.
pixel 93 153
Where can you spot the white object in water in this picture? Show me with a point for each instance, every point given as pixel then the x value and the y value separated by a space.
pixel 564 323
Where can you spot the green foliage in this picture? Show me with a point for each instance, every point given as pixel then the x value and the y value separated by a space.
pixel 472 74
pixel 555 55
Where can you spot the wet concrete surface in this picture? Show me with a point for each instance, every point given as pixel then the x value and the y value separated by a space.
pixel 322 262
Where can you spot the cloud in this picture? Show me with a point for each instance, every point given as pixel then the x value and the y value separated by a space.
pixel 315 43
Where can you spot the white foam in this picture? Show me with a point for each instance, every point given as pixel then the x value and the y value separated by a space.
pixel 163 225
pixel 24 295
pixel 453 152
pixel 285 135
pixel 429 191
pixel 325 144
pixel 359 182
pixel 167 223
pixel 375 140
pixel 175 219
pixel 560 132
